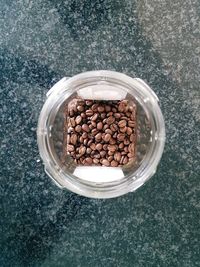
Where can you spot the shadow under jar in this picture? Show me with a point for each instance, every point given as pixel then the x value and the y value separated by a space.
pixel 98 180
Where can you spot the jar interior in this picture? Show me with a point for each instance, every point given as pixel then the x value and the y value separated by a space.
pixel 99 174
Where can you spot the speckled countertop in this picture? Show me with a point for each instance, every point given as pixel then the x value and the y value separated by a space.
pixel 40 42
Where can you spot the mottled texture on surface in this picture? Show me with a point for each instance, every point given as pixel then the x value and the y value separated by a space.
pixel 44 40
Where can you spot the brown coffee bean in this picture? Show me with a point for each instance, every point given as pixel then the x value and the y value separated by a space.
pixel 94 117
pixel 117 115
pixel 97 155
pixel 114 110
pixel 83 115
pixel 78 120
pixel 78 128
pixel 125 160
pixel 130 155
pixel 94 107
pixel 121 137
pixel 85 141
pixel 85 128
pixel 124 118
pixel 88 150
pixel 99 147
pixel 132 137
pixel 81 139
pixel 107 108
pixel 108 131
pixel 114 127
pixel 115 135
pixel 98 137
pixel 82 150
pixel 80 108
pixel 89 102
pixel 110 153
pixel 88 160
pixel 70 148
pixel 112 141
pixel 126 141
pixel 121 107
pixel 128 114
pixel 109 114
pixel 105 162
pixel 107 137
pixel 84 135
pixel 121 160
pixel 129 131
pixel 94 131
pixel 112 148
pixel 131 123
pixel 89 142
pixel 70 130
pixel 110 120
pixel 122 123
pixel 117 156
pixel 105 147
pixel 73 139
pixel 72 122
pixel 123 130
pixel 103 115
pixel 93 153
pixel 110 158
pixel 93 146
pixel 114 163
pixel 100 109
pixel 126 149
pixel 99 125
pixel 95 161
pixel 102 153
pixel 131 148
pixel 121 146
pixel 89 113
pixel 106 126
pixel 93 124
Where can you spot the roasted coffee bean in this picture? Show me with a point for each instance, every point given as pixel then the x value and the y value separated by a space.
pixel 107 137
pixel 72 122
pixel 89 102
pixel 107 108
pixel 103 115
pixel 98 137
pixel 130 155
pixel 115 135
pixel 82 150
pixel 106 126
pixel 112 141
pixel 83 115
pixel 123 130
pixel 88 150
pixel 102 153
pixel 114 110
pixel 114 163
pixel 110 153
pixel 117 156
pixel 94 107
pixel 73 139
pixel 93 124
pixel 117 115
pixel 93 146
pixel 85 141
pixel 109 114
pixel 122 123
pixel 97 155
pixel 131 123
pixel 70 148
pixel 88 160
pixel 78 119
pixel 125 160
pixel 121 137
pixel 85 128
pixel 94 132
pixel 121 146
pixel 105 147
pixel 94 117
pixel 89 142
pixel 129 130
pixel 126 141
pixel 95 161
pixel 89 112
pixel 112 148
pixel 131 148
pixel 105 162
pixel 108 131
pixel 99 125
pixel 110 120
pixel 99 147
pixel 81 139
pixel 114 127
pixel 110 158
pixel 132 138
pixel 100 109
pixel 80 108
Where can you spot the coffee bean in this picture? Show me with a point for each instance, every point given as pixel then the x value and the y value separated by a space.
pixel 117 156
pixel 131 148
pixel 110 153
pixel 85 141
pixel 122 123
pixel 88 150
pixel 78 119
pixel 98 137
pixel 112 141
pixel 114 163
pixel 126 141
pixel 93 146
pixel 85 128
pixel 100 109
pixel 107 137
pixel 131 124
pixel 110 158
pixel 130 154
pixel 114 110
pixel 99 147
pixel 109 114
pixel 105 147
pixel 95 161
pixel 94 107
pixel 82 150
pixel 83 115
pixel 121 146
pixel 81 139
pixel 106 126
pixel 108 131
pixel 88 160
pixel 89 102
pixel 97 155
pixel 93 124
pixel 123 129
pixel 99 125
pixel 117 115
pixel 129 131
pixel 112 148
pixel 114 127
pixel 80 108
pixel 73 139
pixel 94 132
pixel 115 135
pixel 121 137
pixel 103 115
pixel 94 117
pixel 107 108
pixel 102 153
pixel 89 112
pixel 105 162
pixel 125 160
pixel 70 148
pixel 110 120
pixel 72 122
pixel 132 137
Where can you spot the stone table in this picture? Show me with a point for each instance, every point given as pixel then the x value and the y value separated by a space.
pixel 40 42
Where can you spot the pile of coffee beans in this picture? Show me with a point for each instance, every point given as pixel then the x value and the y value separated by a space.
pixel 101 133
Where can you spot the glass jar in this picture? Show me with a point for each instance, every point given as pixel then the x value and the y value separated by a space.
pixel 101 182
